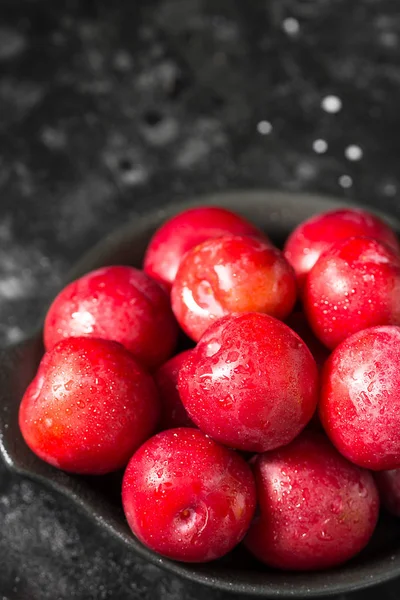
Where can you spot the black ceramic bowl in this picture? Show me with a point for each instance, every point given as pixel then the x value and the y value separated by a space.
pixel 277 214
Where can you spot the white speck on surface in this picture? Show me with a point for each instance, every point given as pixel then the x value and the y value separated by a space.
pixel 353 152
pixel 264 127
pixel 291 26
pixel 331 104
pixel 320 146
pixel 345 181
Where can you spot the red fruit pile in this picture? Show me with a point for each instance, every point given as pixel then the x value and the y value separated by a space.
pixel 111 378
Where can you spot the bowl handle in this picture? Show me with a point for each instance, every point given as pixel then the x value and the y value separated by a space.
pixel 18 366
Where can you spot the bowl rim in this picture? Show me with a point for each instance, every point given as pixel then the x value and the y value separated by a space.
pixel 75 488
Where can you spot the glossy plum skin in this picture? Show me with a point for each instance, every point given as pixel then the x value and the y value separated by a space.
pixel 188 498
pixel 360 398
pixel 185 231
pixel 115 303
pixel 316 235
pixel 388 483
pixel 353 286
pixel 317 510
pixel 298 322
pixel 173 413
pixel 89 407
pixel 231 274
pixel 251 383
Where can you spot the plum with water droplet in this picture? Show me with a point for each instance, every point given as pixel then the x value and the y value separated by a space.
pixel 117 303
pixel 188 498
pixel 173 413
pixel 314 236
pixel 354 285
pixel 251 383
pixel 231 275
pixel 360 398
pixel 185 231
pixel 89 407
pixel 317 510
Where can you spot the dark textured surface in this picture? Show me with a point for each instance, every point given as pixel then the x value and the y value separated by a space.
pixel 107 108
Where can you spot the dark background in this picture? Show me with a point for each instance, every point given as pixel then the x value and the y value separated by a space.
pixel 109 108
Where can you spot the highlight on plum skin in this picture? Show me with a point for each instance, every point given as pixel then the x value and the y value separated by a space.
pixel 360 398
pixel 173 413
pixel 230 275
pixel 117 303
pixel 314 236
pixel 354 285
pixel 188 498
pixel 388 483
pixel 317 510
pixel 89 407
pixel 186 230
pixel 251 383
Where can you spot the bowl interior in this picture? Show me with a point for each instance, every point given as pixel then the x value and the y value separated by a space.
pixel 276 213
